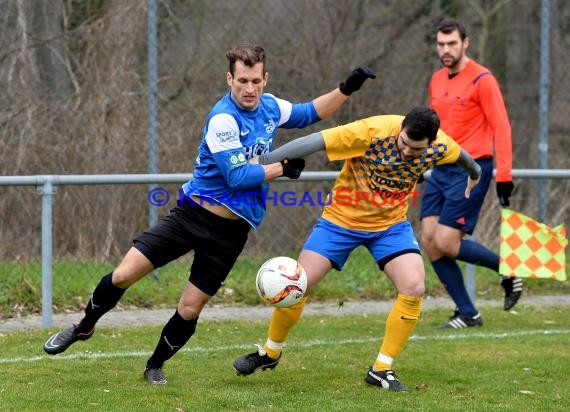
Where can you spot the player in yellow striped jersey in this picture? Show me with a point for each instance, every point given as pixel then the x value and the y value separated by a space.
pixel 384 158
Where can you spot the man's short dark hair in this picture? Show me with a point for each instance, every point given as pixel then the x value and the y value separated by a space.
pixel 249 54
pixel 449 25
pixel 421 122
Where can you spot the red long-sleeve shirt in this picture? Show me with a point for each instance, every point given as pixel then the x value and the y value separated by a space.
pixel 472 111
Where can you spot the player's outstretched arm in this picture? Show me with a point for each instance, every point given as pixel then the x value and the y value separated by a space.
pixel 295 149
pixel 471 167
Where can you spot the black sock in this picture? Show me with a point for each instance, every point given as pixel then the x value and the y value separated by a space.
pixel 104 298
pixel 174 336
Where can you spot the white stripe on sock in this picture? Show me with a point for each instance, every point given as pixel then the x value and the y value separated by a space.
pixel 385 359
pixel 274 345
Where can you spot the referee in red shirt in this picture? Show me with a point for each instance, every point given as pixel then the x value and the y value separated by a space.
pixel 468 100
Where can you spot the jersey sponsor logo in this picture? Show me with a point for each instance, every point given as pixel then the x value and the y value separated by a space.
pixel 237 159
pixel 261 146
pixel 378 182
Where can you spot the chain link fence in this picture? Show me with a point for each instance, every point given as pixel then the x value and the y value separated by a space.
pixel 74 100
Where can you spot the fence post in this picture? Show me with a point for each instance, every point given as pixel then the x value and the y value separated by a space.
pixel 543 95
pixel 47 190
pixel 152 106
pixel 152 99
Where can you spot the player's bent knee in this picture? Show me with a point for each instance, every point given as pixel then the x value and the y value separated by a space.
pixel 447 247
pixel 426 239
pixel 429 246
pixel 415 289
pixel 188 312
pixel 133 267
pixel 124 279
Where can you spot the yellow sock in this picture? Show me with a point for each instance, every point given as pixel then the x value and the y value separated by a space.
pixel 400 324
pixel 282 321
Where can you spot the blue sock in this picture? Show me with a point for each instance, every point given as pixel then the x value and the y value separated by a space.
pixel 477 254
pixel 449 273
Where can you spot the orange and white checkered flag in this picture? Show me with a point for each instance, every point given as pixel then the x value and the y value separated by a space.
pixel 531 249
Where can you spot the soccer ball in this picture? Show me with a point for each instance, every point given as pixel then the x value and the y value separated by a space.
pixel 281 281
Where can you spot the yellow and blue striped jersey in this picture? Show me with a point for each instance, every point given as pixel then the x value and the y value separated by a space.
pixel 373 189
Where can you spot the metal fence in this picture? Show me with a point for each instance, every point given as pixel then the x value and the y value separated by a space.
pixel 310 208
pixel 94 87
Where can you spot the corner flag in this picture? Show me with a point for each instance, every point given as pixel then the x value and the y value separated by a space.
pixel 531 249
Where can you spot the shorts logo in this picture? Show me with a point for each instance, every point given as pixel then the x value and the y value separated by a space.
pixel 237 159
pixel 461 220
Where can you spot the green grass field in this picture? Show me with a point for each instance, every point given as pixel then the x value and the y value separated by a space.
pixel 518 361
pixel 73 283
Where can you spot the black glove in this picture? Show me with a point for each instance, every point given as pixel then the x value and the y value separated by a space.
pixel 504 190
pixel 355 79
pixel 292 168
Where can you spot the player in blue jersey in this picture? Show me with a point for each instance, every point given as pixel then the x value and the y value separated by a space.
pixel 214 219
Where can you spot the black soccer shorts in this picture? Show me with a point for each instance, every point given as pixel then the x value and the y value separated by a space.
pixel 216 241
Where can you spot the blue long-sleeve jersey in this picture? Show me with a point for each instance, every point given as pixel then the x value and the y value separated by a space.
pixel 231 137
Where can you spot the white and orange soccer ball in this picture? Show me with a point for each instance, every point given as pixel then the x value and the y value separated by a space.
pixel 281 281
